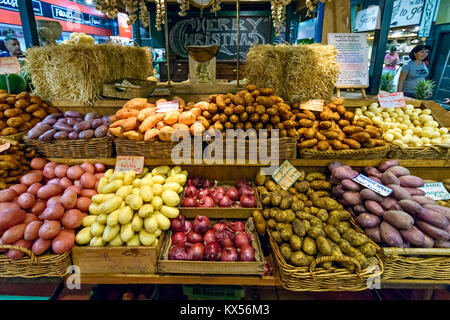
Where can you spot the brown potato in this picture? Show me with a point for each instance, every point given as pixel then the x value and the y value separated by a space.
pixel 250 109
pixel 234 119
pixel 8 131
pixel 223 118
pixel 15 122
pixel 275 120
pixel 243 117
pixel 260 109
pixel 229 111
pixel 341 110
pixel 40 113
pixel 228 125
pixel 369 143
pixel 248 125
pixel 292 133
pixel 307 123
pixel 325 125
pixel 271 111
pixel 264 118
pixel 12 112
pixel 212 108
pixel 336 144
pixel 323 145
pixel 352 129
pixel 360 136
pixel 349 116
pixel 239 125
pixel 308 143
pixel 254 117
pixel 353 144
pixel 331 135
pixel 207 114
pixel 258 126
pixel 310 133
pixel 283 133
pixel 239 109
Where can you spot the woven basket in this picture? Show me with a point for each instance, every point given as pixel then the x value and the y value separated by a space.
pixel 321 279
pixel 429 152
pixel 360 154
pixel 80 148
pixel 147 87
pixel 152 149
pixel 48 265
pixel 416 263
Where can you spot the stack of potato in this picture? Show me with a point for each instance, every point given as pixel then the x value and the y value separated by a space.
pixel 14 162
pixel 307 223
pixel 21 112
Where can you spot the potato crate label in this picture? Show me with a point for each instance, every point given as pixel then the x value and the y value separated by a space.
pixel 286 175
pixel 167 106
pixel 127 163
pixel 5 146
pixel 313 105
pixel 391 100
pixel 373 185
pixel 435 191
pixel 9 65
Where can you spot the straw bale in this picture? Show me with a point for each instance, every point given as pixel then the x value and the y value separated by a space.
pixel 78 72
pixel 295 72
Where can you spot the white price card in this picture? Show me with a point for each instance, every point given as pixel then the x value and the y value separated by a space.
pixel 127 163
pixel 373 185
pixel 313 105
pixel 5 146
pixel 435 191
pixel 9 65
pixel 391 100
pixel 167 106
pixel 286 175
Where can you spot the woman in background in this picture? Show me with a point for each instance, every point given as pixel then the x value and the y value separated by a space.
pixel 414 71
pixel 390 60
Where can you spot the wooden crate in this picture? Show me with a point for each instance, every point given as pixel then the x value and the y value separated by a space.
pixel 108 260
pixel 218 212
pixel 213 267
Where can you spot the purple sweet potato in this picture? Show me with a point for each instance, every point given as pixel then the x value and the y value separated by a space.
pixel 376 179
pixel 414 191
pixel 388 203
pixel 390 235
pixel 368 194
pixel 350 185
pixel 374 208
pixel 389 178
pixel 410 206
pixel 434 218
pixel 387 164
pixel 432 231
pixel 413 236
pixel 398 192
pixel 398 219
pixel 337 191
pixel 422 200
pixel 359 208
pixel 73 114
pixel 428 243
pixel 344 172
pixel 411 181
pixel 372 171
pixel 398 171
pixel 368 220
pixel 374 234
pixel 333 165
pixel 352 197
pixel 444 210
pixel 48 135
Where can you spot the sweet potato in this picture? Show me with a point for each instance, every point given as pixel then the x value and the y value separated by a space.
pixel 134 135
pixel 63 242
pixel 444 210
pixel 116 132
pixel 126 113
pixel 398 219
pixel 411 181
pixel 32 230
pixel 387 164
pixel 151 135
pixel 413 236
pixel 165 134
pixel 390 235
pixel 414 191
pixel 368 220
pixel 422 200
pixel 136 103
pixel 442 244
pixel 398 171
pixel 40 246
pixel 410 206
pixel 11 217
pixel 352 197
pixel 16 254
pixel 129 124
pixel 368 194
pixel 374 208
pixel 389 178
pixel 432 231
pixel 398 192
pixel 146 112
pixel 171 117
pixel 14 234
pixel 150 122
pixel 187 118
pixel 434 218
pixel 374 234
pixel 344 172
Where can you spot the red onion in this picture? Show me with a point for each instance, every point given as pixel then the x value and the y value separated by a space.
pixel 187 226
pixel 203 193
pixel 247 253
pixel 245 190
pixel 177 224
pixel 220 190
pixel 196 252
pixel 212 251
pixel 194 181
pixel 205 183
pixel 217 196
pixel 206 202
pixel 177 253
pixel 225 202
pixel 194 237
pixel 236 226
pixel 189 202
pixel 224 238
pixel 191 192
pixel 248 201
pixel 229 254
pixel 241 183
pixel 201 224
pixel 233 194
pixel 209 236
pixel 241 239
pixel 219 227
pixel 179 239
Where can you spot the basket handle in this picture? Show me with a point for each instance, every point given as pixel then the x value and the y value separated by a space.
pixel 323 259
pixel 120 89
pixel 28 252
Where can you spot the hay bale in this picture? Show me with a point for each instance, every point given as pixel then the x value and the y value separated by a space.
pixel 295 72
pixel 78 72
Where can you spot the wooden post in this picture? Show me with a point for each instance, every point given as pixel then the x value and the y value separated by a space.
pixel 28 23
pixel 336 18
pixel 166 35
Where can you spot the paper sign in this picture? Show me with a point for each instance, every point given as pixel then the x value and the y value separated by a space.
pixel 5 146
pixel 435 191
pixel 313 105
pixel 286 175
pixel 392 100
pixel 167 106
pixel 373 185
pixel 9 65
pixel 127 163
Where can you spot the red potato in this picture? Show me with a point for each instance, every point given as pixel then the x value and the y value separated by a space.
pixel 98 176
pixel 26 200
pixel 33 189
pixel 11 217
pixel 88 167
pixel 76 189
pixel 48 191
pixel 87 180
pixel 63 242
pixel 89 193
pixel 2 250
pixel 39 206
pixel 32 230
pixel 74 172
pixel 16 254
pixel 83 204
pixel 53 200
pixel 99 167
pixel 65 182
pixel 30 178
pixel 14 234
pixel 53 212
pixel 9 205
pixel 7 195
pixel 19 188
pixel 49 170
pixel 38 163
pixel 49 230
pixel 72 219
pixel 30 217
pixel 61 170
pixel 68 200
pixel 77 183
pixel 40 246
pixel 54 181
pixel 96 184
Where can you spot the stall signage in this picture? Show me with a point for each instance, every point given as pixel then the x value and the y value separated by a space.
pixel 406 12
pixel 167 106
pixel 427 18
pixel 62 13
pixel 286 175
pixel 313 105
pixel 352 59
pixel 435 191
pixel 373 185
pixel 127 163
pixel 9 65
pixel 14 6
pixel 391 100
pixel 5 146
pixel 366 19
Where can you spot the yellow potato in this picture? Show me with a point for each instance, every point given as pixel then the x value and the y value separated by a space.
pixel 102 183
pixel 170 212
pixel 146 193
pixel 158 179
pixel 110 233
pixel 178 178
pixel 147 181
pixel 157 189
pixel 137 183
pixel 100 198
pixel 113 218
pixel 94 208
pixel 102 218
pixel 161 170
pixel 89 221
pixel 129 177
pixel 134 201
pixel 96 242
pixel 146 211
pixel 112 186
pixel 151 224
pixel 137 223
pixel 163 221
pixel 84 236
pixel 147 239
pixel 97 229
pixel 134 241
pixel 116 242
pixel 125 215
pixel 123 191
pixel 171 186
pixel 117 176
pixel 110 205
pixel 109 173
pixel 157 203
pixel 126 232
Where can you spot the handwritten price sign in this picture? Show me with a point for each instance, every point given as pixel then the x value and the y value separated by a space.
pixel 127 163
pixel 392 100
pixel 9 65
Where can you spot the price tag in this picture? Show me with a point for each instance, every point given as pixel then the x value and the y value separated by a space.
pixel 9 65
pixel 127 163
pixel 373 185
pixel 286 175
pixel 392 100
pixel 5 146
pixel 435 191
pixel 313 105
pixel 167 106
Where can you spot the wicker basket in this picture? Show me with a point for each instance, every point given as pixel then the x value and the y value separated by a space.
pixel 152 149
pixel 16 137
pixel 416 263
pixel 48 265
pixel 429 152
pixel 113 91
pixel 80 148
pixel 360 154
pixel 321 279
